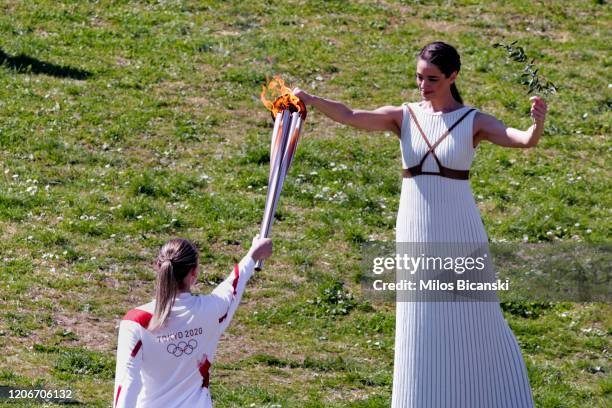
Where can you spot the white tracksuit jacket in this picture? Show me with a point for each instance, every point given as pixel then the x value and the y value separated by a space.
pixel 170 367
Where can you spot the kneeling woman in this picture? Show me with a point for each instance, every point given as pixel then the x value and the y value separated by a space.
pixel 166 346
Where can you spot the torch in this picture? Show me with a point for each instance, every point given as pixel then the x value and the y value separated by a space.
pixel 289 114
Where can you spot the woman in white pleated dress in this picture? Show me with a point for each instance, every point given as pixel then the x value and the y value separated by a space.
pixel 447 353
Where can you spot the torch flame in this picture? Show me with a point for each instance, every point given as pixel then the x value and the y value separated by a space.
pixel 285 100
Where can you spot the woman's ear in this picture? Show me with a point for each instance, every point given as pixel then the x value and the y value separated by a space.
pixel 195 272
pixel 191 277
pixel 453 76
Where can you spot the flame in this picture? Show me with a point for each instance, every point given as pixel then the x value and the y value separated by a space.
pixel 285 100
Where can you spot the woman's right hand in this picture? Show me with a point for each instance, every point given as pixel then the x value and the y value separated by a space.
pixel 261 248
pixel 302 95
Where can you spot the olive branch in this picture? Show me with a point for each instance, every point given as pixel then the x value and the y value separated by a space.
pixel 529 75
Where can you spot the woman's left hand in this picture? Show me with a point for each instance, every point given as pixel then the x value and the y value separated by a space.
pixel 538 110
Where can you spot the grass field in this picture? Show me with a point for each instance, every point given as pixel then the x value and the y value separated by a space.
pixel 124 124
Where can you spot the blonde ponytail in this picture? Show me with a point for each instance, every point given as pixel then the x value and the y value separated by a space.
pixel 175 260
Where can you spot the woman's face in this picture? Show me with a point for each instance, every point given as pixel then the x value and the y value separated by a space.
pixel 431 81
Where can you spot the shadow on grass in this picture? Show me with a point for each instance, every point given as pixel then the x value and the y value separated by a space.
pixel 24 64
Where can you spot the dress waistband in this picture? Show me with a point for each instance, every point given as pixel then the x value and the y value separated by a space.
pixel 444 172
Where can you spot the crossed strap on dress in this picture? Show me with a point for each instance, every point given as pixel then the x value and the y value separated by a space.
pixel 444 171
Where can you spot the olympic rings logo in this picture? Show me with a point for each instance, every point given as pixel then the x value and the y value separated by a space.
pixel 178 350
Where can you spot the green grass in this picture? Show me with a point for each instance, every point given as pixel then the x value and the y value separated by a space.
pixel 127 123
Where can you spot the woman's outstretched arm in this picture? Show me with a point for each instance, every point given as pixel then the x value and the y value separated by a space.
pixel 225 298
pixel 487 127
pixel 385 118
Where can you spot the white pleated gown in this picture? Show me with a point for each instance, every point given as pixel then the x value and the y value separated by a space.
pixel 449 354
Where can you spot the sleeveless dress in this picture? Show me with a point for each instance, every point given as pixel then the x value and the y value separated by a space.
pixel 449 354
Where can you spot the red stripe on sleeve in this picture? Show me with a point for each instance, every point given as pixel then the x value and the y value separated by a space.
pixel 222 318
pixel 117 398
pixel 235 286
pixel 139 316
pixel 136 348
pixel 236 277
